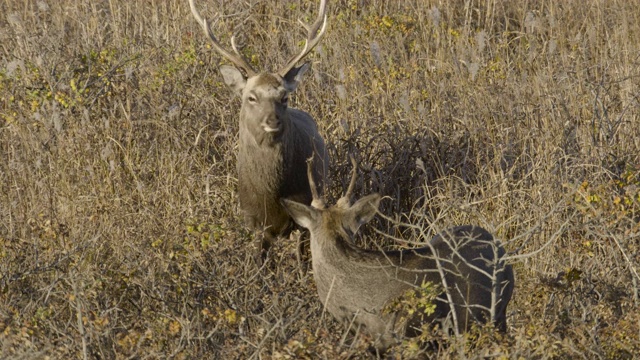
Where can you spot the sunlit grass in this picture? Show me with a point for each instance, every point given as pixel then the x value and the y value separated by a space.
pixel 120 233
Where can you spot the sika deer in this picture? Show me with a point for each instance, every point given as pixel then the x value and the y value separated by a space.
pixel 274 140
pixel 355 285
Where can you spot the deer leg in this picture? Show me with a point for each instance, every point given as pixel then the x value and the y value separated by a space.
pixel 263 240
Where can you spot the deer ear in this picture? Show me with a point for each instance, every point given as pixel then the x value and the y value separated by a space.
pixel 302 214
pixel 294 76
pixel 233 78
pixel 365 209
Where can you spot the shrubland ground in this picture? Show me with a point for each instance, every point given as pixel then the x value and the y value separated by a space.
pixel 119 227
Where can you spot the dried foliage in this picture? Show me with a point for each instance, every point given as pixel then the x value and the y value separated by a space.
pixel 119 231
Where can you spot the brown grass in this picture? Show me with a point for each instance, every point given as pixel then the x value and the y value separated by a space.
pixel 119 229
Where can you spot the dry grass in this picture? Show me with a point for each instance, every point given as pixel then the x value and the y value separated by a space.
pixel 119 233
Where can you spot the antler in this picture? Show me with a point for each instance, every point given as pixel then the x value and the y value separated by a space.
pixel 345 200
pixel 317 202
pixel 314 34
pixel 237 59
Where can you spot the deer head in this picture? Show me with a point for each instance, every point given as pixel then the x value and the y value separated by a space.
pixel 264 95
pixel 341 217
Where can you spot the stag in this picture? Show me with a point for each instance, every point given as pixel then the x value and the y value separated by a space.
pixel 358 286
pixel 274 139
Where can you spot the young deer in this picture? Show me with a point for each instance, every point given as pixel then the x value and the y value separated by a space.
pixel 274 140
pixel 355 285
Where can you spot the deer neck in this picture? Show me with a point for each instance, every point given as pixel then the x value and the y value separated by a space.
pixel 337 256
pixel 260 159
pixel 337 262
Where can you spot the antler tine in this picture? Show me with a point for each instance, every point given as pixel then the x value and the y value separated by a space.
pixel 345 200
pixel 237 59
pixel 315 32
pixel 317 202
pixel 354 171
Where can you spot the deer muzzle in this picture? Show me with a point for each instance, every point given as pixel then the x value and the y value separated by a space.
pixel 272 125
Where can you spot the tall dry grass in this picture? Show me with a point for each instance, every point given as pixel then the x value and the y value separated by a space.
pixel 119 233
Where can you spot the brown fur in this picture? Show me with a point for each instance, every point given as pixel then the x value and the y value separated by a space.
pixel 355 284
pixel 268 80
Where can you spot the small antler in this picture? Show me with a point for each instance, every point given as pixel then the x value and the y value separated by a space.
pixel 237 59
pixel 315 32
pixel 317 202
pixel 345 200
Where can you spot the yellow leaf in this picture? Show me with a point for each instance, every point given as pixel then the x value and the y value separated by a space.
pixel 231 316
pixel 174 327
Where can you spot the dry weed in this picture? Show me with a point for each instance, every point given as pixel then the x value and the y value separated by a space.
pixel 119 234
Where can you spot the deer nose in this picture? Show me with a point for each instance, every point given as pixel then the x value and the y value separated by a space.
pixel 272 124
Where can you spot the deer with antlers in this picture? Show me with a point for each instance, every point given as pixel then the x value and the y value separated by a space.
pixel 274 140
pixel 358 286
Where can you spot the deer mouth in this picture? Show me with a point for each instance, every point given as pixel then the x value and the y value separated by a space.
pixel 270 129
pixel 272 126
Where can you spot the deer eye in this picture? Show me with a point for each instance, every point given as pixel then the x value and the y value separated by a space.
pixel 252 99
